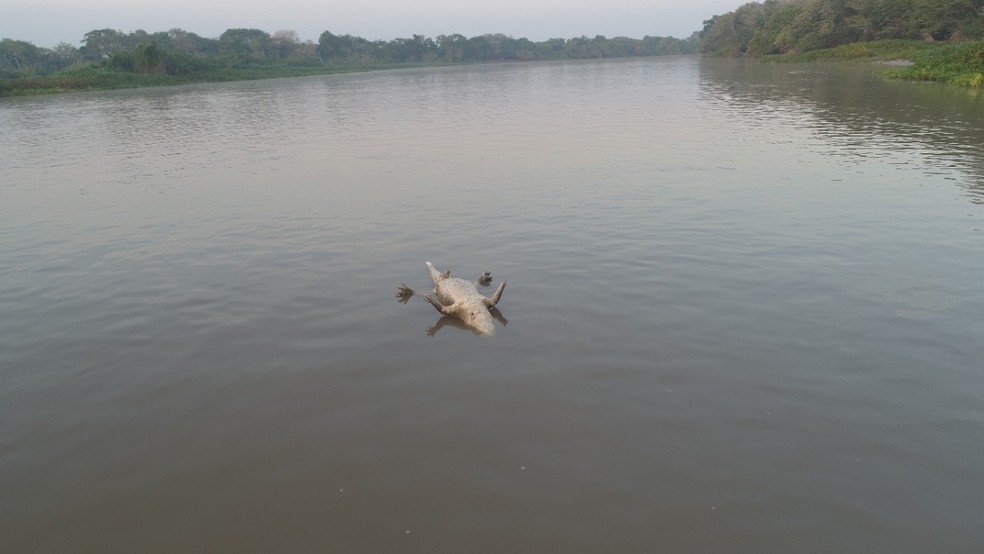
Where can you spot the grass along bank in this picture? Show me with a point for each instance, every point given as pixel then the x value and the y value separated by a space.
pixel 95 77
pixel 878 50
pixel 960 63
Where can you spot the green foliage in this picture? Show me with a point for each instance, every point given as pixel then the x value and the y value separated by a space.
pixel 874 50
pixel 246 45
pixel 23 59
pixel 113 59
pixel 148 59
pixel 945 19
pixel 959 64
pixel 17 55
pixel 455 48
pixel 776 35
pixel 100 43
pixel 797 26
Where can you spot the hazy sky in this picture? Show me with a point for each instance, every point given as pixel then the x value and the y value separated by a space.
pixel 48 22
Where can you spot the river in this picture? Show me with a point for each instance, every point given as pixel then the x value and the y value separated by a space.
pixel 743 314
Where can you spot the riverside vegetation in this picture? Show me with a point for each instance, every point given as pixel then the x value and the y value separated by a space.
pixel 944 38
pixel 112 59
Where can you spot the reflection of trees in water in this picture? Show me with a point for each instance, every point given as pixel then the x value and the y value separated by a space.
pixel 853 107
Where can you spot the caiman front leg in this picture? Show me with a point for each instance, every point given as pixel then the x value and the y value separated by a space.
pixel 491 302
pixel 404 293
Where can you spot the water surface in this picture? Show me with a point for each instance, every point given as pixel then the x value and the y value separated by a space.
pixel 743 313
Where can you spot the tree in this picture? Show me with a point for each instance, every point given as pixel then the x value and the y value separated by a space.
pixel 333 48
pixel 720 38
pixel 150 60
pixel 136 39
pixel 184 42
pixel 552 49
pixel 19 56
pixel 101 43
pixel 524 49
pixel 246 44
pixel 62 56
pixel 825 24
pixel 479 49
pixel 415 49
pixel 781 26
pixel 942 19
pixel 451 48
pixel 285 43
pixel 775 36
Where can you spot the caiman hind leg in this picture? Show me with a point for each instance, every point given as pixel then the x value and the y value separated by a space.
pixel 446 310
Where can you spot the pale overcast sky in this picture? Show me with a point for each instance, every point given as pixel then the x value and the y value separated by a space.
pixel 48 22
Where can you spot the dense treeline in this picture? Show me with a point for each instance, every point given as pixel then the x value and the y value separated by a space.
pixel 792 26
pixel 179 52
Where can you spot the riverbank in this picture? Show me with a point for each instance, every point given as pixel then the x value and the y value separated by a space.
pixel 960 63
pixel 118 60
pixel 94 77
